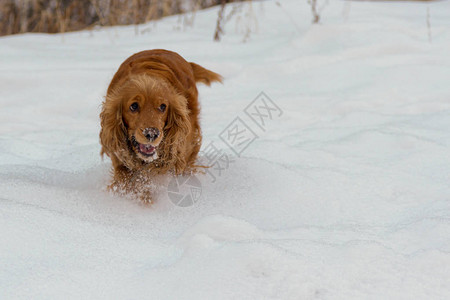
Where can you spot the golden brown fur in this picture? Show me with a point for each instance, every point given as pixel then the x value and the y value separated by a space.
pixel 152 106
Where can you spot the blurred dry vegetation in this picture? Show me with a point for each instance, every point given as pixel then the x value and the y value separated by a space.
pixel 54 16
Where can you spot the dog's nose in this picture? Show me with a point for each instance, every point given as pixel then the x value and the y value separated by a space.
pixel 151 133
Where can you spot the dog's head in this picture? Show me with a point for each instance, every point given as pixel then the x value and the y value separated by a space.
pixel 144 120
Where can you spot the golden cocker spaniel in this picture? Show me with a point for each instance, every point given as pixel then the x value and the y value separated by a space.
pixel 150 119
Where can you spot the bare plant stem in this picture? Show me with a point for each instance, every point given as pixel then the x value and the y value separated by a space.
pixel 429 25
pixel 315 12
pixel 219 29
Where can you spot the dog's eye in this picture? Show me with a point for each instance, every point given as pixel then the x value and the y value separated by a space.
pixel 134 106
pixel 162 107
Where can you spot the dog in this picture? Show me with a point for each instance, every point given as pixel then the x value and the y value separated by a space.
pixel 150 119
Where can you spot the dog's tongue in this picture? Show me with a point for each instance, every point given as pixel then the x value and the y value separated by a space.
pixel 147 149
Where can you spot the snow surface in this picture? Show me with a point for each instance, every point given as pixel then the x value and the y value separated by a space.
pixel 345 196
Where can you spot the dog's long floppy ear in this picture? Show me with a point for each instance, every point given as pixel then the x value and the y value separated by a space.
pixel 113 132
pixel 177 128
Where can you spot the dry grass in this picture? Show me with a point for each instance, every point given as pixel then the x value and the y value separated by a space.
pixel 53 16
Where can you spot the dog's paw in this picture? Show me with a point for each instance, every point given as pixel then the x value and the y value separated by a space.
pixel 114 187
pixel 134 191
pixel 145 197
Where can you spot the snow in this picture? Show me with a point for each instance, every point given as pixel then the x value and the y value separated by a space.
pixel 346 195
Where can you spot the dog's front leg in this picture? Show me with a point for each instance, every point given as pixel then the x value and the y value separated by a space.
pixel 127 182
pixel 122 180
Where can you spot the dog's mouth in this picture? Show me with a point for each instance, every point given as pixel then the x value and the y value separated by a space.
pixel 147 151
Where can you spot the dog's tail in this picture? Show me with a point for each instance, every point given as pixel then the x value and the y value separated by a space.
pixel 203 75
